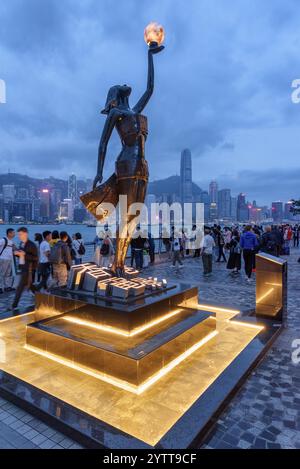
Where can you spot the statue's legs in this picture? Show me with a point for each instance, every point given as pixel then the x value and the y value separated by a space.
pixel 135 190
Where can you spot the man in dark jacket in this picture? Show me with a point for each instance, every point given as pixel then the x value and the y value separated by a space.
pixel 269 241
pixel 137 243
pixel 28 260
pixel 279 239
pixel 60 257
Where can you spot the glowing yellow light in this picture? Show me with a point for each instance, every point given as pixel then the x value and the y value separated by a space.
pixel 263 297
pixel 229 321
pixel 120 383
pixel 108 379
pixel 246 324
pixel 154 32
pixel 115 330
pixel 215 309
pixel 166 369
pixel 14 317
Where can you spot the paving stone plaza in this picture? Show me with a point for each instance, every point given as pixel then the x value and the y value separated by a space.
pixel 265 413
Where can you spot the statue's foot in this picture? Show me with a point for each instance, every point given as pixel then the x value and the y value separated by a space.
pixel 118 271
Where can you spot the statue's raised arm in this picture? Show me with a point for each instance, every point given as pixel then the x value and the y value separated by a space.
pixel 143 101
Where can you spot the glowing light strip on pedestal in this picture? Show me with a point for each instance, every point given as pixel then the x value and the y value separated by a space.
pixel 246 324
pixel 215 309
pixel 20 316
pixel 115 330
pixel 120 383
pixel 263 297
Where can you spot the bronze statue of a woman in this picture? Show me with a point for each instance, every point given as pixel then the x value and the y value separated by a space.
pixel 131 169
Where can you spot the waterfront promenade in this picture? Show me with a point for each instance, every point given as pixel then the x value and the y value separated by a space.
pixel 266 411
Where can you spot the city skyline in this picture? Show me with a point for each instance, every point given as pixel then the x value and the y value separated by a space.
pixel 250 196
pixel 234 85
pixel 43 200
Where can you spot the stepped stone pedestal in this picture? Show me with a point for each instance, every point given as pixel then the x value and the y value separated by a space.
pixel 127 341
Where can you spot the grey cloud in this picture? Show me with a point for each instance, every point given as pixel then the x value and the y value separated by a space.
pixel 265 185
pixel 223 69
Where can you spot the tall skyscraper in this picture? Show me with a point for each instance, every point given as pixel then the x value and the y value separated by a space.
pixel 233 208
pixel 224 203
pixel 44 196
pixel 213 192
pixel 186 184
pixel 72 188
pixel 277 211
pixel 8 193
pixel 288 215
pixel 242 209
pixel 66 212
pixel 205 200
pixel 213 197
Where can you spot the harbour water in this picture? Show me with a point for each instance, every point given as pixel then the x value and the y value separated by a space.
pixel 88 232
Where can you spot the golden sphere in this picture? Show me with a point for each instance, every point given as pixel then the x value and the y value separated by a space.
pixel 154 32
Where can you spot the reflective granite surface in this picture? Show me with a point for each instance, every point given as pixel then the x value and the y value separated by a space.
pixel 147 417
pixel 131 359
pixel 271 286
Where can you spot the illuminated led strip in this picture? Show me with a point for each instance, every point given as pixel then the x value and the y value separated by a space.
pixel 51 356
pixel 215 309
pixel 115 330
pixel 175 362
pixel 124 384
pixel 246 324
pixel 19 316
pixel 265 295
pixel 230 321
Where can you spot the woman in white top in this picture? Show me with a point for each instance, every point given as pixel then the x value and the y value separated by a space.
pixel 78 248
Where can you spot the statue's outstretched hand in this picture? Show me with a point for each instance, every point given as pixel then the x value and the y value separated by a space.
pixel 154 48
pixel 97 180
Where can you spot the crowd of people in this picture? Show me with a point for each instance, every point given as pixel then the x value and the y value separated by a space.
pixel 232 245
pixel 41 263
pixel 44 262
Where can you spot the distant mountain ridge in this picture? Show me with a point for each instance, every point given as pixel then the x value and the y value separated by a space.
pixel 22 180
pixel 170 185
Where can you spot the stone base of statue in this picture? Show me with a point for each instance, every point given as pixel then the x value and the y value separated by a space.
pixel 132 362
pixel 125 331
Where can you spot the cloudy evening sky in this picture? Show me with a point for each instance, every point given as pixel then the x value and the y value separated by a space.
pixel 222 88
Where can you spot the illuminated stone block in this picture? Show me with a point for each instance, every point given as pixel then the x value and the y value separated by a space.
pixel 130 272
pixel 130 360
pixel 92 277
pixel 75 269
pixel 271 286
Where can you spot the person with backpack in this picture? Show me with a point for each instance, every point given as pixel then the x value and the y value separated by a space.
pixel 28 259
pixel 279 239
pixel 220 244
pixel 60 258
pixel 235 256
pixel 249 243
pixel 6 260
pixel 176 249
pixel 44 264
pixel 78 248
pixel 269 242
pixel 106 252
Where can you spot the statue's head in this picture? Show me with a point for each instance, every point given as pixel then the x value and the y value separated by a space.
pixel 116 95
